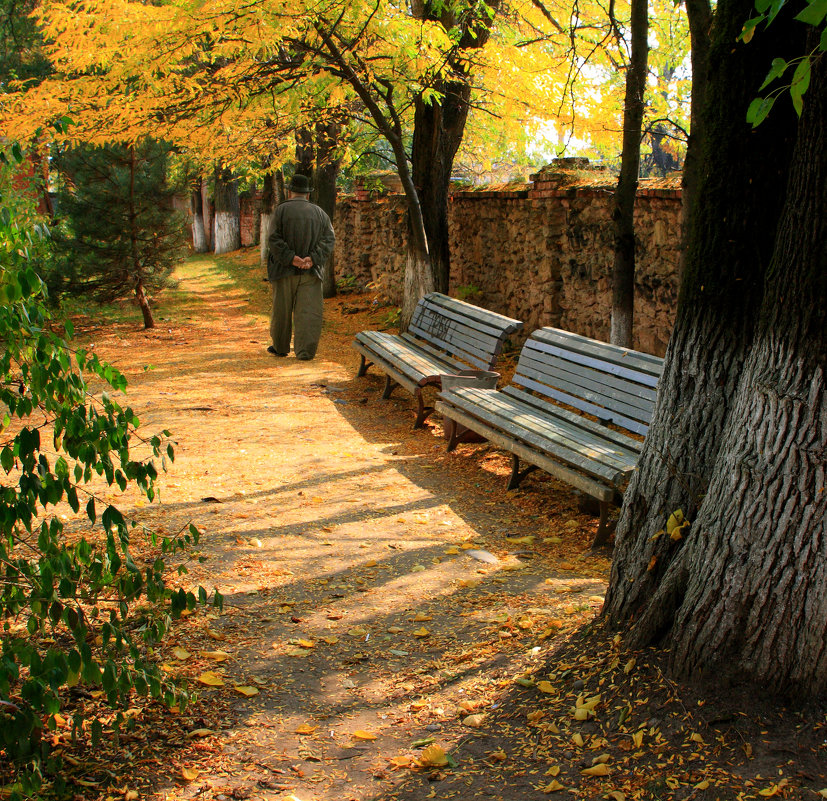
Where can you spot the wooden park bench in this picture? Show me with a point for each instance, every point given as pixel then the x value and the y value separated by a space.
pixel 556 412
pixel 445 336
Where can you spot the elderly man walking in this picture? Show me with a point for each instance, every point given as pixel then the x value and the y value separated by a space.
pixel 301 240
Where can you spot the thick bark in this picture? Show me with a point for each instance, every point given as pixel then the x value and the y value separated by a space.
pixel 623 212
pixel 417 283
pixel 755 562
pixel 327 171
pixel 199 236
pixel 227 212
pixel 729 250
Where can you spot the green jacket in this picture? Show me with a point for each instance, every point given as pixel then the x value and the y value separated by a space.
pixel 299 228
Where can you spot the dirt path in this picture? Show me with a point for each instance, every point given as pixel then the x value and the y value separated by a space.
pixel 348 549
pixel 380 640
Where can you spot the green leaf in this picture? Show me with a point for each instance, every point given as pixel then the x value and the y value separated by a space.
pixel 759 109
pixel 814 13
pixel 800 84
pixel 779 66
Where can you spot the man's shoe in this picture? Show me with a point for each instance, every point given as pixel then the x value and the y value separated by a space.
pixel 272 350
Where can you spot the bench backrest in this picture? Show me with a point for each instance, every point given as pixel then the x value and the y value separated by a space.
pixel 465 331
pixel 616 385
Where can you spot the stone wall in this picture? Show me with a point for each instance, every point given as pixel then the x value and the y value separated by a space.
pixel 540 252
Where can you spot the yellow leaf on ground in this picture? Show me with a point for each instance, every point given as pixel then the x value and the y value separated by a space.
pixel 330 640
pixel 361 734
pixel 211 679
pixel 552 787
pixel 596 770
pixel 421 617
pixel 527 540
pixel 246 690
pixel 533 717
pixel 180 653
pixel 216 635
pixel 190 774
pixel 577 739
pixel 637 738
pixel 404 761
pixel 423 632
pixel 358 631
pixel 216 656
pixel 616 795
pixel 306 643
pixel 418 704
pixel 201 733
pixel 395 629
pixel 452 551
pixel 498 755
pixel 554 770
pixel 306 728
pixel 473 721
pixel 545 687
pixel 704 785
pixel 433 756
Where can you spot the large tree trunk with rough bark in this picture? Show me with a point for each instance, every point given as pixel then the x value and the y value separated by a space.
pixel 227 212
pixel 738 439
pixel 623 211
pixel 208 210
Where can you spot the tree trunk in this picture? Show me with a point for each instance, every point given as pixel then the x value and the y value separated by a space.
pixel 227 212
pixel 418 282
pixel 729 249
pixel 268 206
pixel 327 171
pixel 699 14
pixel 207 209
pixel 623 213
pixel 438 131
pixel 143 302
pixel 755 563
pixel 439 128
pixel 305 155
pixel 199 236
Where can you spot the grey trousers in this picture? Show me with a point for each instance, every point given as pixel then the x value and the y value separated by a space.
pixel 297 310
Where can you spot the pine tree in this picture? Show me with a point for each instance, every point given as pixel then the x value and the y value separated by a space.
pixel 121 233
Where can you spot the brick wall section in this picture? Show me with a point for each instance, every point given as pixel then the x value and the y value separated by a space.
pixel 541 253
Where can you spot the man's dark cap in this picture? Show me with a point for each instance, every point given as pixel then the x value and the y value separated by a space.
pixel 300 184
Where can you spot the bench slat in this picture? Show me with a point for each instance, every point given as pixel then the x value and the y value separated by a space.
pixel 631 387
pixel 518 415
pixel 578 403
pixel 618 361
pixel 522 424
pixel 573 418
pixel 464 319
pixel 494 319
pixel 413 362
pixel 556 469
pixel 614 402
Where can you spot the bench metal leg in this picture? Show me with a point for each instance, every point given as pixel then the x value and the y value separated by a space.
pixel 422 411
pixel 389 385
pixel 363 367
pixel 604 528
pixel 516 475
pixel 456 432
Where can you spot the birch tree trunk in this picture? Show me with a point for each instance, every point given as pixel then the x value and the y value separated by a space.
pixel 268 206
pixel 227 212
pixel 199 236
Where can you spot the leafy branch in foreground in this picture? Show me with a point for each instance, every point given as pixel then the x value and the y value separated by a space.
pixel 77 608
